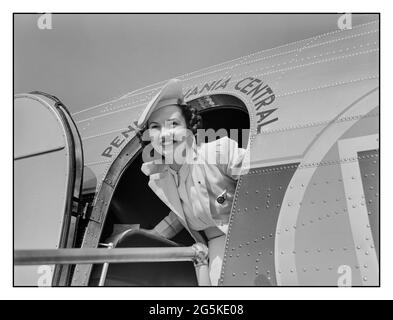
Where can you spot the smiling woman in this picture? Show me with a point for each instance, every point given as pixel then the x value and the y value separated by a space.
pixel 196 181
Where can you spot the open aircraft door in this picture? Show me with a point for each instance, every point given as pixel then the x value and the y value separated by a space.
pixel 48 175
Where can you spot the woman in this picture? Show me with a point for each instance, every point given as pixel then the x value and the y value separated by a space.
pixel 196 181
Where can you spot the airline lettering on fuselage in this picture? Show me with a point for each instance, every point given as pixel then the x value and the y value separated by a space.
pixel 261 95
pixel 259 92
pixel 118 141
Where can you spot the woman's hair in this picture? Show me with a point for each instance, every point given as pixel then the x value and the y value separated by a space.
pixel 190 114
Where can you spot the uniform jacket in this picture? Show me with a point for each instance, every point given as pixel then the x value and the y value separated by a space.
pixel 216 163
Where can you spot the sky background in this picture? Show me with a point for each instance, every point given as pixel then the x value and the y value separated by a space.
pixel 88 59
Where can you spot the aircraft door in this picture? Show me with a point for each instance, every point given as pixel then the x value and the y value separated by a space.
pixel 48 171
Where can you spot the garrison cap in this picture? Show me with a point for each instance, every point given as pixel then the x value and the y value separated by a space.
pixel 170 94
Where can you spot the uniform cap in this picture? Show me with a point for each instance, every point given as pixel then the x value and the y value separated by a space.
pixel 170 94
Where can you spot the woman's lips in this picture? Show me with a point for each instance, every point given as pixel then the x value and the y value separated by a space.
pixel 166 144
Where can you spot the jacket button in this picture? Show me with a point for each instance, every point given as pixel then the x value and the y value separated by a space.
pixel 220 199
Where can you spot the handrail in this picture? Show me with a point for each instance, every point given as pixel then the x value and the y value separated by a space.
pixel 103 255
pixel 197 253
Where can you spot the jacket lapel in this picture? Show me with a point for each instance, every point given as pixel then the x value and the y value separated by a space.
pixel 164 187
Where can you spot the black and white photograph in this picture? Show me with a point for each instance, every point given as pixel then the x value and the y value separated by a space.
pixel 186 150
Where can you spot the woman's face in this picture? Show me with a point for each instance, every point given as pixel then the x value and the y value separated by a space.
pixel 168 131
